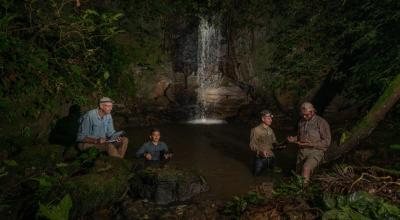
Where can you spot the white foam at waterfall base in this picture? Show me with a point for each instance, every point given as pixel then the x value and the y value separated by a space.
pixel 206 121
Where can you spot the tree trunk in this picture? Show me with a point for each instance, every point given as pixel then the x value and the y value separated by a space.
pixel 367 124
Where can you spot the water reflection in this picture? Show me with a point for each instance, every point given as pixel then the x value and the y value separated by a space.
pixel 219 151
pixel 207 121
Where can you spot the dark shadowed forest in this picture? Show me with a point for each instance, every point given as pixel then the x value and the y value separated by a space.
pixel 201 72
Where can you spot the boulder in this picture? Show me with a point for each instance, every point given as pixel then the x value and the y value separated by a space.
pixel 225 101
pixel 167 185
pixel 40 156
pixel 196 210
pixel 106 183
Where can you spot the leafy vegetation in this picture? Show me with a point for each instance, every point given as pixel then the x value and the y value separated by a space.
pixel 88 157
pixel 295 45
pixel 56 212
pixel 52 54
pixel 359 205
pixel 46 186
pixel 55 53
pixel 238 205
pixel 4 164
pixel 295 187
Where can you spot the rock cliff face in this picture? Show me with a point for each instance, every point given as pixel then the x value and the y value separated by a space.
pixel 170 93
pixel 225 101
pixel 196 77
pixel 223 70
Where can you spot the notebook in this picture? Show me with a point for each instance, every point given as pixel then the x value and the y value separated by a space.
pixel 115 135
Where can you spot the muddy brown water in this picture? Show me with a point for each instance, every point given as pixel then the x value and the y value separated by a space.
pixel 219 152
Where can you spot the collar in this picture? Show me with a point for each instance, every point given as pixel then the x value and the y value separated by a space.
pixel 98 114
pixel 312 119
pixel 155 145
pixel 263 126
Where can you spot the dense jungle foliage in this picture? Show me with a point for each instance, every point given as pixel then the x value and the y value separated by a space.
pixel 353 43
pixel 54 53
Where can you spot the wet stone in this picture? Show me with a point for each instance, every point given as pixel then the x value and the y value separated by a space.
pixel 104 185
pixel 167 185
pixel 145 209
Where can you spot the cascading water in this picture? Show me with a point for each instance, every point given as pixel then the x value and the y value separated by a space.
pixel 208 74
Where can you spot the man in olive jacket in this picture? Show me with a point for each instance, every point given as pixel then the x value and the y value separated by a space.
pixel 313 139
pixel 262 138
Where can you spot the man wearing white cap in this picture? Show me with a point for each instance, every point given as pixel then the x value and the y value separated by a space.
pixel 96 129
pixel 314 138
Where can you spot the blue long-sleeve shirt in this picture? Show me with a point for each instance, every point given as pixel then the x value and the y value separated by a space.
pixel 154 150
pixel 93 126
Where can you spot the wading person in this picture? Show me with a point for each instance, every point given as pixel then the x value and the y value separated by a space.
pixel 262 139
pixel 313 139
pixel 97 130
pixel 154 150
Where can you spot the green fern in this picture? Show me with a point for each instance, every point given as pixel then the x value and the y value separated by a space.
pixel 56 212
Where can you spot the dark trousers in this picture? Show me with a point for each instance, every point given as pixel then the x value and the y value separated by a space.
pixel 260 163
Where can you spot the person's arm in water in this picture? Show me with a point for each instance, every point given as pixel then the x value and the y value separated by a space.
pixel 167 154
pixel 142 152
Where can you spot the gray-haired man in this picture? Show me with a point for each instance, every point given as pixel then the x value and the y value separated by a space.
pixel 314 138
pixel 97 126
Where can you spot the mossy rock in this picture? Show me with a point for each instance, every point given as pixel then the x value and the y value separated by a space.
pixel 40 156
pixel 104 185
pixel 71 153
pixel 167 185
pixel 11 146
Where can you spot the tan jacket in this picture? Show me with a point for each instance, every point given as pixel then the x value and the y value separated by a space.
pixel 317 131
pixel 261 138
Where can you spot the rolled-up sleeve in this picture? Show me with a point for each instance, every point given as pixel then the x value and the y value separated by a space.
pixel 165 147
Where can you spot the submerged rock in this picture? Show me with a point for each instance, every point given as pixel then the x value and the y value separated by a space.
pixel 167 185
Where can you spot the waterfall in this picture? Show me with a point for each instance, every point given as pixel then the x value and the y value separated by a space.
pixel 208 74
